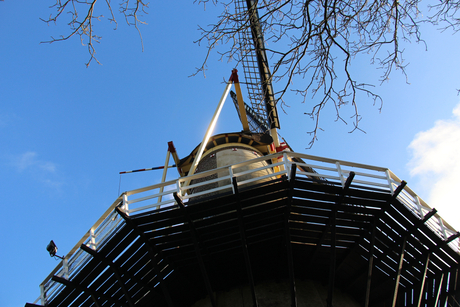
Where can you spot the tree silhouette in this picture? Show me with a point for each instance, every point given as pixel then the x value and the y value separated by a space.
pixel 312 40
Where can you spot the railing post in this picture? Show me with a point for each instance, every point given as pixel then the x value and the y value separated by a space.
pixel 125 204
pixel 443 228
pixel 419 206
pixel 230 173
pixel 65 267
pixel 287 165
pixel 42 295
pixel 178 189
pixel 390 181
pixel 339 170
pixel 92 239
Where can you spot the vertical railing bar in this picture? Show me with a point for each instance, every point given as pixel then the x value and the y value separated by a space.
pixel 390 181
pixel 419 205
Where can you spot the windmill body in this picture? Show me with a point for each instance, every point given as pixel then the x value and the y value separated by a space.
pixel 250 222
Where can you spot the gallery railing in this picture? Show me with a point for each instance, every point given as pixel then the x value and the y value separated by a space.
pixel 328 171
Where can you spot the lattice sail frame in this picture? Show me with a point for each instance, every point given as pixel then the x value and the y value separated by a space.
pixel 257 124
pixel 248 59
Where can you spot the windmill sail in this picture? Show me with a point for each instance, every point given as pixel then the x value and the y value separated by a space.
pixel 255 65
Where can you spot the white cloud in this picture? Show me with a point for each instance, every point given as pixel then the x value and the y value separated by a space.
pixel 42 171
pixel 29 160
pixel 436 163
pixel 25 161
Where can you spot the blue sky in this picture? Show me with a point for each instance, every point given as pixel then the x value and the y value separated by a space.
pixel 67 130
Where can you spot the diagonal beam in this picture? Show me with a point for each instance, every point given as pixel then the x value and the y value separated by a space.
pixel 115 269
pixel 244 241
pixel 93 294
pixel 151 251
pixel 376 262
pixel 438 293
pixel 323 237
pixel 431 249
pixel 398 274
pixel 197 248
pixel 425 269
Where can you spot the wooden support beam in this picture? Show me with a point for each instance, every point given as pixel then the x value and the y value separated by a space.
pixel 197 248
pixel 287 214
pixel 314 254
pixel 239 97
pixel 331 282
pixel 399 189
pixel 429 215
pixel 151 249
pixel 332 268
pixel 115 269
pixel 398 271
pixel 370 267
pixel 244 242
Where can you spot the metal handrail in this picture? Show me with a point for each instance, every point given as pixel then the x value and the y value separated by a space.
pixel 334 171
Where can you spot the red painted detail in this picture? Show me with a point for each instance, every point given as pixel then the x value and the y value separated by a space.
pixel 234 149
pixel 272 147
pixel 234 76
pixel 171 148
pixel 282 147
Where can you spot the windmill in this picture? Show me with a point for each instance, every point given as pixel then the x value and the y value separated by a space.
pixel 248 224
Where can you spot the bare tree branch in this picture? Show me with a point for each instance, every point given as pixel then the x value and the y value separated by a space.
pixel 82 15
pixel 311 43
pixel 309 40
